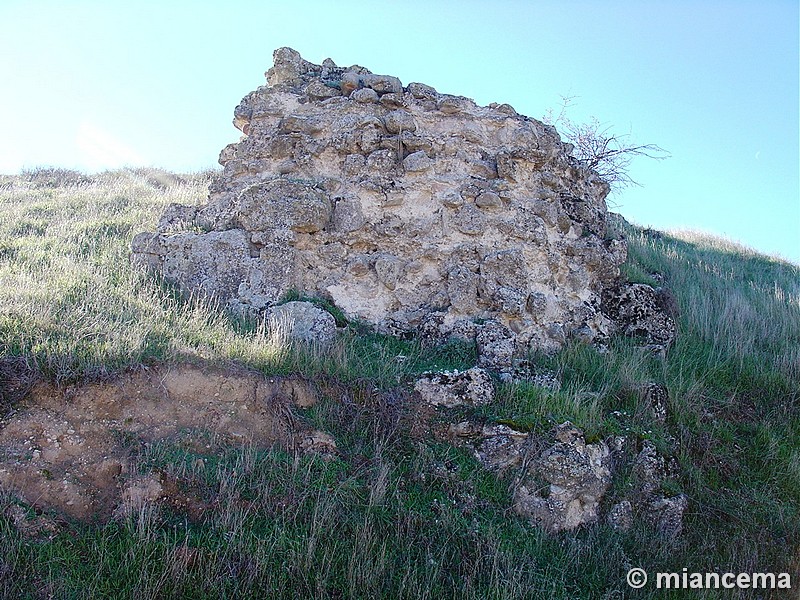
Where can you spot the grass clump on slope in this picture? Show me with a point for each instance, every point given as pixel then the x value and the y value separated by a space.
pixel 396 514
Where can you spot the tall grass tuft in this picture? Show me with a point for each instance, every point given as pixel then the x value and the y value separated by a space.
pixel 396 514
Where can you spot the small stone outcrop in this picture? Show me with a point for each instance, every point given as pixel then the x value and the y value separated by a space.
pixel 302 322
pixel 561 482
pixel 499 448
pixel 646 497
pixel 637 310
pixel 404 207
pixel 563 485
pixel 472 387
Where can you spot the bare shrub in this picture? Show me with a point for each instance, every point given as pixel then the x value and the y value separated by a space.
pixel 596 146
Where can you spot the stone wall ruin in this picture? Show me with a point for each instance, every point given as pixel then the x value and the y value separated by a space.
pixel 410 209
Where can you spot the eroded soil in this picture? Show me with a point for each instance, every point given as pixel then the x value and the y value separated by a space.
pixel 72 449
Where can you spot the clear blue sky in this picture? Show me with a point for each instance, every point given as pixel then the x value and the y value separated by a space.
pixel 99 84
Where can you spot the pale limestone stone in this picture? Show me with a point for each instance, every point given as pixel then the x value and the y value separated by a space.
pixel 565 483
pixel 421 91
pixel 417 161
pixel 302 322
pixel 486 216
pixel 381 84
pixel 399 120
pixel 488 200
pixel 472 387
pixel 495 345
pixel 364 96
pixel 317 90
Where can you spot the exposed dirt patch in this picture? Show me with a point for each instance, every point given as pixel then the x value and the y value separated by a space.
pixel 73 449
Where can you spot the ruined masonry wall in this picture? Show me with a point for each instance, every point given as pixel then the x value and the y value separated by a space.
pixel 409 209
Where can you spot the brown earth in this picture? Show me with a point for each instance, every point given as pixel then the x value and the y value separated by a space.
pixel 75 449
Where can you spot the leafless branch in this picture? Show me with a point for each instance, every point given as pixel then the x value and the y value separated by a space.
pixel 597 147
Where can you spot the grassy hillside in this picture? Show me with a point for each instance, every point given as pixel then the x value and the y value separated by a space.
pixel 397 514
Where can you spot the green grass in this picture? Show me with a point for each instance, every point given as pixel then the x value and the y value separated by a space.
pixel 397 515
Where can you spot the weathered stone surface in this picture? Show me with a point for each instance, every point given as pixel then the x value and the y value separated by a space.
pixel 560 482
pixel 650 470
pixel 399 120
pixel 497 447
pixel 646 498
pixel 667 514
pixel 281 205
pixel 364 95
pixel 635 309
pixel 417 161
pixel 657 397
pixel 565 482
pixel 177 217
pixel 495 345
pixel 215 263
pixel 302 322
pixel 620 517
pixel 484 212
pixel 472 387
pixel 319 443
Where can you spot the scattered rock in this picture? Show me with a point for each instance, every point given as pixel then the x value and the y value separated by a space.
pixel 648 471
pixel 563 485
pixel 522 370
pixel 635 309
pixel 664 513
pixel 29 523
pixel 139 491
pixel 620 517
pixel 657 398
pixel 472 387
pixel 302 322
pixel 667 514
pixel 561 481
pixel 501 447
pixel 319 443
